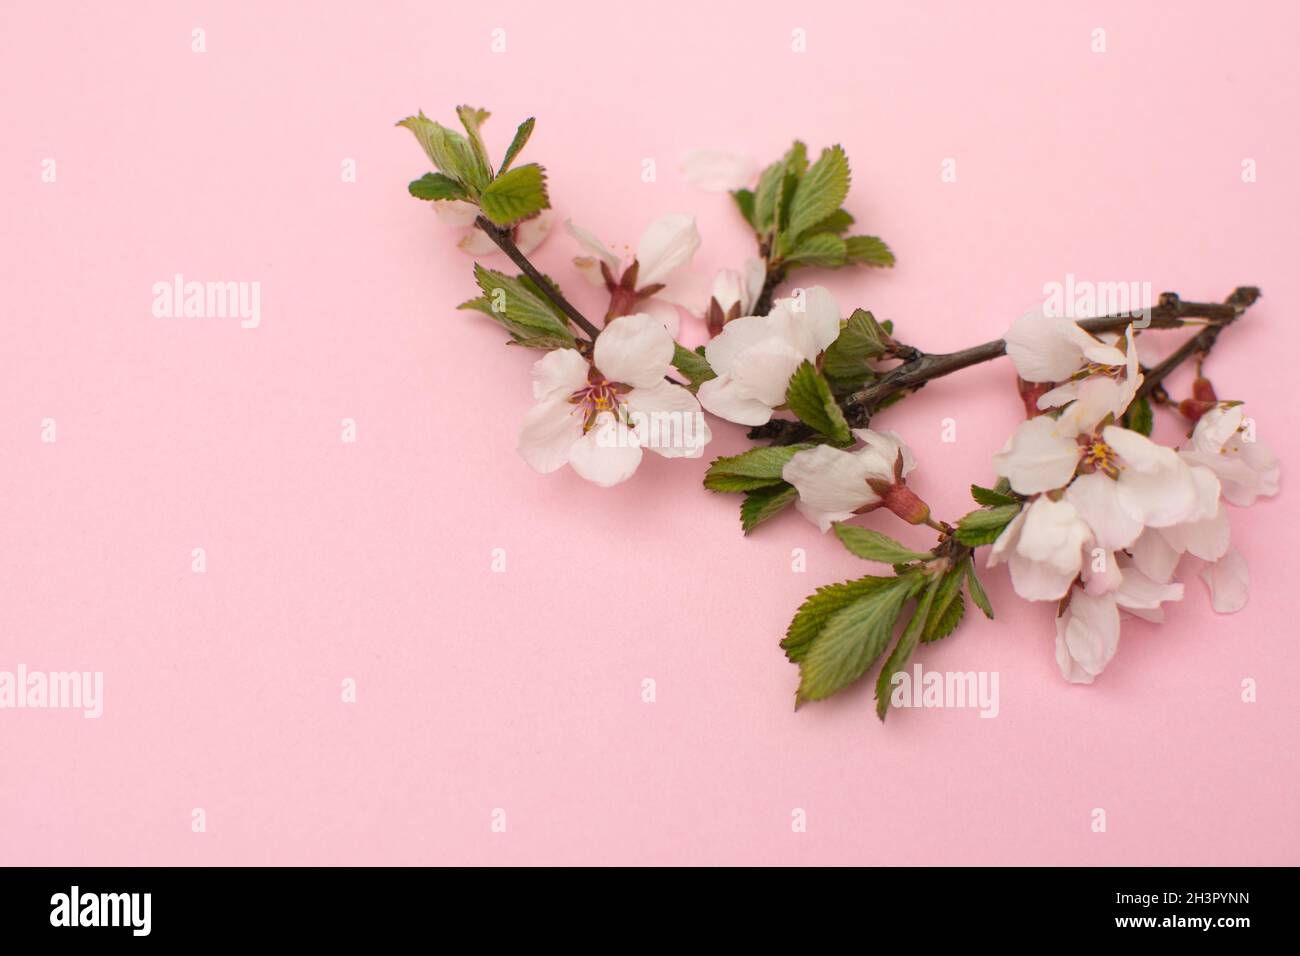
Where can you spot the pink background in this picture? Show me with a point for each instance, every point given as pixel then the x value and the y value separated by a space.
pixel 371 561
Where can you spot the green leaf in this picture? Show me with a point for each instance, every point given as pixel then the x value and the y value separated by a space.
pixel 772 183
pixel 874 546
pixel 1139 417
pixel 821 250
pixel 902 652
pixel 693 365
pixel 809 397
pixel 852 640
pixel 976 589
pixel 845 362
pixel 756 468
pixel 515 195
pixel 745 203
pixel 820 192
pixel 836 223
pixel 518 334
pixel 518 308
pixel 449 151
pixel 818 607
pixel 991 498
pixel 524 131
pixel 472 119
pixel 436 186
pixel 868 251
pixel 764 503
pixel 949 606
pixel 984 526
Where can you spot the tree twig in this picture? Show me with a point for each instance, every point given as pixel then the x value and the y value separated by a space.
pixel 505 241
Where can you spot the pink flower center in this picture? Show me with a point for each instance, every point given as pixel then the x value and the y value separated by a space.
pixel 599 395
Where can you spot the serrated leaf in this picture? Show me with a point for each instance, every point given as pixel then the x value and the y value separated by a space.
pixel 515 195
pixel 837 223
pixel 433 186
pixel 756 468
pixel 472 119
pixel 991 498
pixel 693 365
pixel 949 606
pixel 817 608
pixel 771 184
pixel 845 362
pixel 874 546
pixel 745 203
pixel 976 590
pixel 449 151
pixel 820 192
pixel 983 526
pixel 518 308
pixel 809 397
pixel 821 250
pixel 1139 417
pixel 868 251
pixel 852 639
pixel 764 503
pixel 517 144
pixel 902 652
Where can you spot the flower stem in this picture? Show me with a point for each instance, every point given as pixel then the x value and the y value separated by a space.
pixel 1170 312
pixel 505 241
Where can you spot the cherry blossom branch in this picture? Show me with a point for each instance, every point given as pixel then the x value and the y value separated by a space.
pixel 1170 312
pixel 1201 343
pixel 506 243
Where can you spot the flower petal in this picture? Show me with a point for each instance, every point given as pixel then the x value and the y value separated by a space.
pixel 1156 487
pixel 667 244
pixel 1096 497
pixel 607 454
pixel 1039 456
pixel 665 312
pixel 549 431
pixel 531 233
pixel 1087 636
pixel 558 374
pixel 1141 596
pixel 809 323
pixel 1153 555
pixel 588 240
pixel 718 171
pixel 634 349
pixel 832 484
pixel 736 337
pixel 668 420
pixel 456 213
pixel 1229 582
pixel 724 397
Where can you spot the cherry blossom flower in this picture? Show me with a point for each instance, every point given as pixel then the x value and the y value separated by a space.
pixel 1246 469
pixel 754 356
pixel 653 281
pixel 1154 485
pixel 1087 631
pixel 1043 545
pixel 834 484
pixel 598 415
pixel 460 215
pixel 1047 348
pixel 718 171
pixel 735 293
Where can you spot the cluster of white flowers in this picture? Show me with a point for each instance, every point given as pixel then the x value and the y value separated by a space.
pixel 1111 512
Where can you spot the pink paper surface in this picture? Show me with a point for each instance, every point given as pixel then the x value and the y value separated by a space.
pixel 372 561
